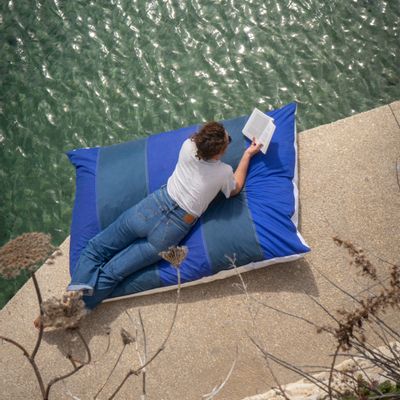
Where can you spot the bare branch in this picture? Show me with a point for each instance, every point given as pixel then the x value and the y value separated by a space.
pixel 128 374
pixel 359 366
pixel 323 307
pixel 335 231
pixel 331 372
pixel 72 360
pixel 31 361
pixel 377 359
pixel 75 370
pixel 281 390
pixel 391 396
pixel 108 333
pixel 389 330
pixel 232 261
pixel 322 385
pixel 162 346
pixel 144 355
pixel 69 392
pixel 243 287
pixel 368 288
pixel 59 378
pixel 291 315
pixel 40 300
pixel 78 332
pixel 385 340
pixel 111 372
pixel 217 389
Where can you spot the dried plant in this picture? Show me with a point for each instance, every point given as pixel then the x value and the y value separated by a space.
pixel 25 252
pixel 358 257
pixel 65 312
pixel 127 338
pixel 350 334
pixel 30 250
pixel 351 322
pixel 215 391
pixel 175 255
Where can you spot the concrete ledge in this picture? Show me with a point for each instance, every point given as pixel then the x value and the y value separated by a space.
pixel 348 372
pixel 348 186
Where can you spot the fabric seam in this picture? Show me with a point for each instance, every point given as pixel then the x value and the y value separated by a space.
pixel 95 190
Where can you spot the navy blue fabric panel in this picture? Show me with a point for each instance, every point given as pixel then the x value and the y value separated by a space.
pixel 270 189
pixel 84 224
pixel 162 156
pixel 145 279
pixel 121 179
pixel 235 149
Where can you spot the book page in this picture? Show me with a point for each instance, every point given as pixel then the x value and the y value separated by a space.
pixel 266 137
pixel 260 126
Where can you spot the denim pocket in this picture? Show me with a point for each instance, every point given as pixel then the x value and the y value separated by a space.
pixel 168 233
pixel 147 213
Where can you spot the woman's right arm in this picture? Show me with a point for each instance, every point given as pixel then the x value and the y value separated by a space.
pixel 241 171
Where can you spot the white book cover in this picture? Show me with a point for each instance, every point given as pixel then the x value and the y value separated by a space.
pixel 260 126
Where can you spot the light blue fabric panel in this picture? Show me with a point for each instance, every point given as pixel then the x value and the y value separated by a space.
pixel 121 179
pixel 227 224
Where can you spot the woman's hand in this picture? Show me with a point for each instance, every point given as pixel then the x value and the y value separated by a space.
pixel 254 148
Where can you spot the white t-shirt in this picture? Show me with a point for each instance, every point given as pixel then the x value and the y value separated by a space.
pixel 194 183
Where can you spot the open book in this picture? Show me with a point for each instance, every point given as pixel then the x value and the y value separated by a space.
pixel 260 126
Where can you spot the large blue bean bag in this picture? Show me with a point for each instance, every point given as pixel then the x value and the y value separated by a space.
pixel 258 227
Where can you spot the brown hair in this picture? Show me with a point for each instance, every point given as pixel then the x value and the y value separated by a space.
pixel 210 140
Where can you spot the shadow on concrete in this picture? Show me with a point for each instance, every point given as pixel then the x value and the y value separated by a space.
pixel 294 277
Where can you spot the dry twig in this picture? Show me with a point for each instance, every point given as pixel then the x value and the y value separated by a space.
pixel 218 388
pixel 175 255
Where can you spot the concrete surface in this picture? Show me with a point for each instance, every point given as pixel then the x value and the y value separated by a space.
pixel 348 186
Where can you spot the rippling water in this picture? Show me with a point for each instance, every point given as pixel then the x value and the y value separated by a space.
pixel 79 73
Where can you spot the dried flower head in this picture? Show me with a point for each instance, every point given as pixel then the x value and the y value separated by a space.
pixel 127 338
pixel 65 312
pixel 25 252
pixel 175 255
pixel 358 257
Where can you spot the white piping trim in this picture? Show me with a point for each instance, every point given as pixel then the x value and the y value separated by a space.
pixel 295 216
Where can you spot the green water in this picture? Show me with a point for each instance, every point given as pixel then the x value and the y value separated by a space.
pixel 86 73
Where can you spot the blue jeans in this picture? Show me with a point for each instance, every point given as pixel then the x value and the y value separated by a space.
pixel 132 242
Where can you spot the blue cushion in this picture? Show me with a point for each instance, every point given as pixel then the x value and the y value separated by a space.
pixel 258 227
